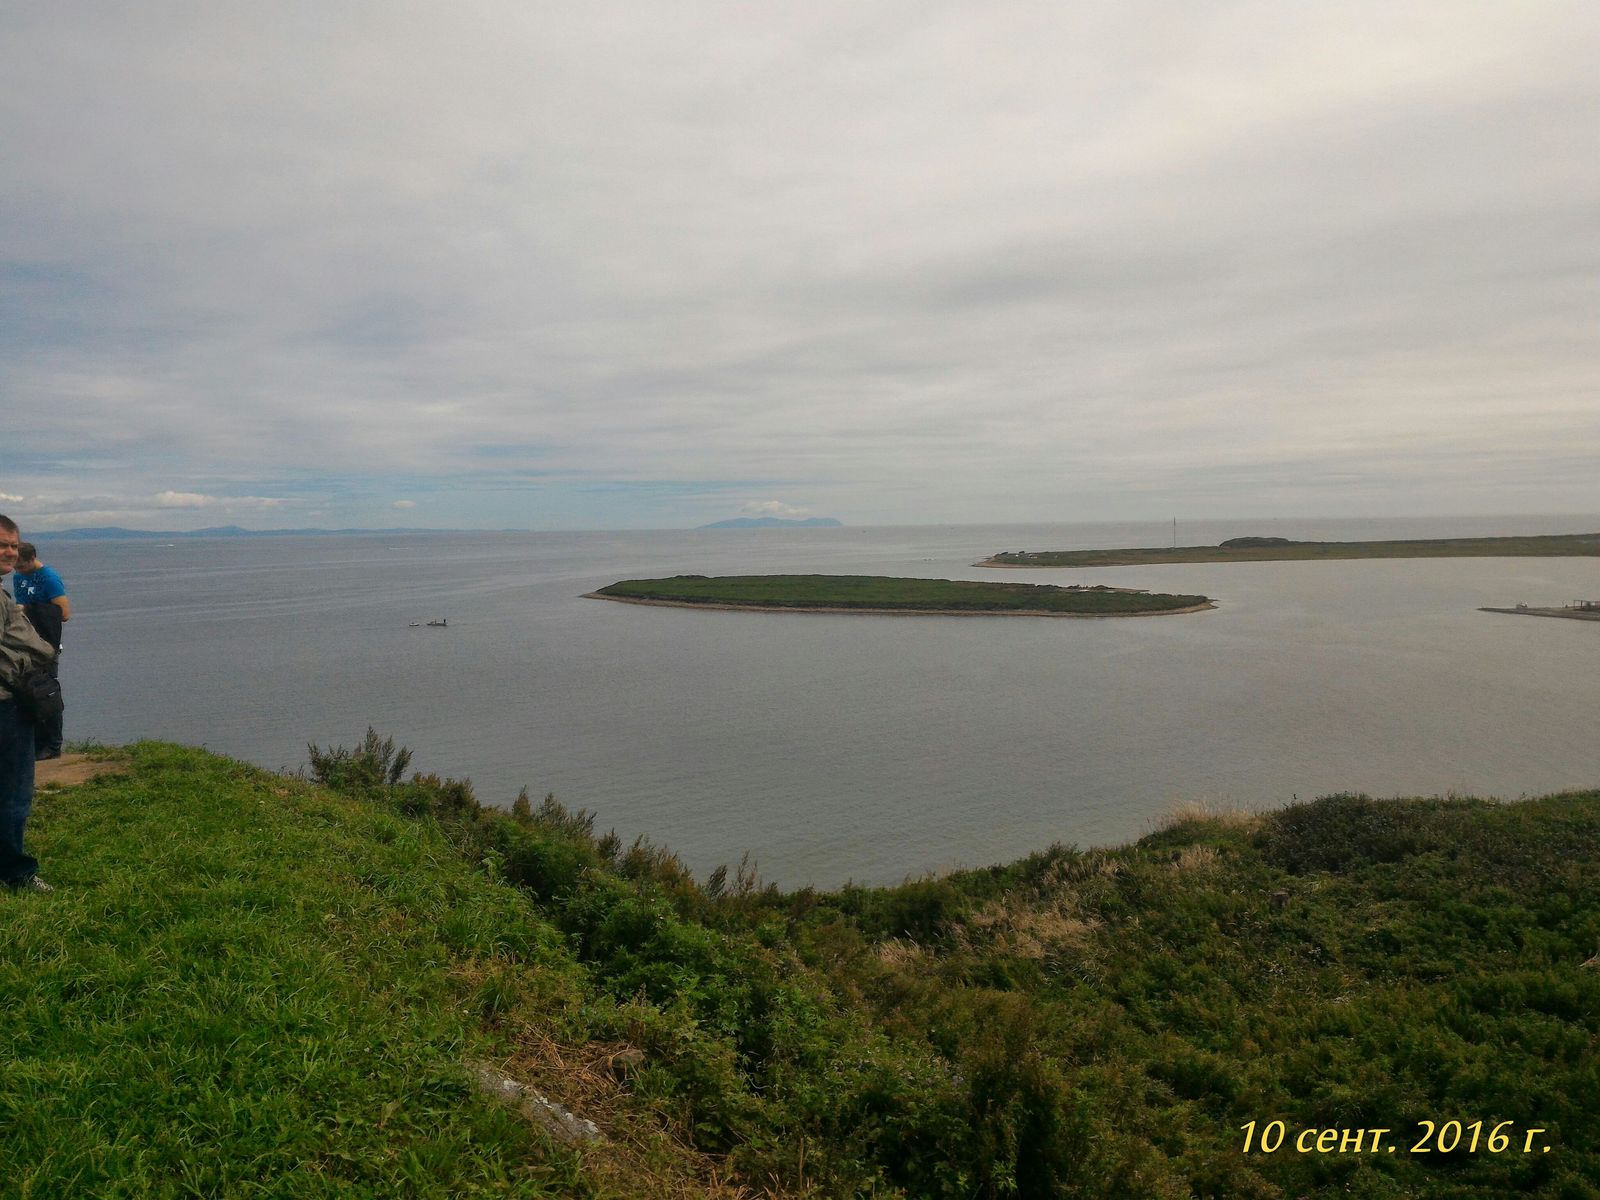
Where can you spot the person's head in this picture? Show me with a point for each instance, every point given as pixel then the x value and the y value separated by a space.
pixel 10 543
pixel 27 556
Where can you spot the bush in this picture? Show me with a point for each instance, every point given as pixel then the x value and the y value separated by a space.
pixel 1341 833
pixel 376 763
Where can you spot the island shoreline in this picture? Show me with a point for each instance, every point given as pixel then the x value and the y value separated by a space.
pixel 1566 614
pixel 1562 545
pixel 896 612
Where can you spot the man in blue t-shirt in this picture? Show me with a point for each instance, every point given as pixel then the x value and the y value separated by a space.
pixel 44 598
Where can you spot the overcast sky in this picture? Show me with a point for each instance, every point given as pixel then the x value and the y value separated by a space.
pixel 646 265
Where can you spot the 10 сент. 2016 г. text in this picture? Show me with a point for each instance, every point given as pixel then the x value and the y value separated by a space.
pixel 1447 1137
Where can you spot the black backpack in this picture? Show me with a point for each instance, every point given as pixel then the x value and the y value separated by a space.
pixel 38 693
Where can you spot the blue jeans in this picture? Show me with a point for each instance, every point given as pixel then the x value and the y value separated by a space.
pixel 17 866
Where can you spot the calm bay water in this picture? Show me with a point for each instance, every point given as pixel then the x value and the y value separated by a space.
pixel 839 747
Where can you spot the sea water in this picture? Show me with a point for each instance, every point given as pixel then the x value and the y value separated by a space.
pixel 837 747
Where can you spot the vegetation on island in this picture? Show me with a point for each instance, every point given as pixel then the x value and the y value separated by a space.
pixel 248 984
pixel 876 593
pixel 1272 549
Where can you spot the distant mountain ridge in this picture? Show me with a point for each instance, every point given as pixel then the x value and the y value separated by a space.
pixel 775 523
pixel 118 533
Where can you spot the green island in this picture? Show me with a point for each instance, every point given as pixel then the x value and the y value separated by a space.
pixel 883 594
pixel 1274 549
pixel 351 983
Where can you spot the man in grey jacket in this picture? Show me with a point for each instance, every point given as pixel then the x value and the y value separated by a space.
pixel 20 649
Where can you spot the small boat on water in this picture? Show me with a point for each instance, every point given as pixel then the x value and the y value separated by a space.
pixel 441 623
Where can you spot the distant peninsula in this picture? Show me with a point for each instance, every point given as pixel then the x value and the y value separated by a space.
pixel 775 523
pixel 1275 549
pixel 905 597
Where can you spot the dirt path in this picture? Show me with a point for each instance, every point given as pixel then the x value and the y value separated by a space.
pixel 70 769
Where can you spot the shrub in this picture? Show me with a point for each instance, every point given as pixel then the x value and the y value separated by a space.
pixel 1343 832
pixel 376 763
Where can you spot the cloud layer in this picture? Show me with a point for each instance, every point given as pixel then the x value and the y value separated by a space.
pixel 630 265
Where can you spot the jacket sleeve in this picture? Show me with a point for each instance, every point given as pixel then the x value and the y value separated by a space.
pixel 20 647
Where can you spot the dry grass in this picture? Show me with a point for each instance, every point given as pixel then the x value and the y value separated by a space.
pixel 642 1155
pixel 1196 858
pixel 898 952
pixel 1206 812
pixel 1068 873
pixel 1026 930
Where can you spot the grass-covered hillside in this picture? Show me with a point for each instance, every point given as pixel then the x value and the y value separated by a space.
pixel 252 985
pixel 881 593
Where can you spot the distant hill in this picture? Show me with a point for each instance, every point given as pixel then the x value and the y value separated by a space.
pixel 118 533
pixel 775 523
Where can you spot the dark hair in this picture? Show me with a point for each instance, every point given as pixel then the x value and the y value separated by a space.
pixel 8 524
pixel 27 552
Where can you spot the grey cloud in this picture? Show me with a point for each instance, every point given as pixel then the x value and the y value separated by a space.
pixel 1029 251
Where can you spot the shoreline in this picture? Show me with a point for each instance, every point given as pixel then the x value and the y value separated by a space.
pixel 1569 614
pixel 1562 545
pixel 897 612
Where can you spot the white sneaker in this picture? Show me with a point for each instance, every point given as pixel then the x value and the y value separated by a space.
pixel 37 885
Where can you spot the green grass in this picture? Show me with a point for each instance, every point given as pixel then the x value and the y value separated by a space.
pixel 868 593
pixel 1558 545
pixel 249 985
pixel 242 988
